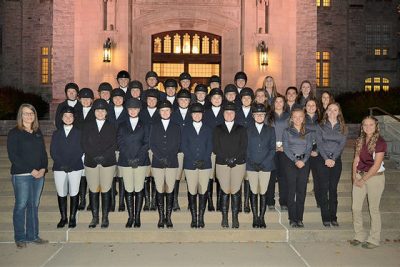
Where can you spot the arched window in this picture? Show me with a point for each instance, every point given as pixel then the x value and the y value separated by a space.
pixel 177 44
pixel 214 46
pixel 157 45
pixel 196 44
pixel 376 84
pixel 205 45
pixel 186 44
pixel 167 44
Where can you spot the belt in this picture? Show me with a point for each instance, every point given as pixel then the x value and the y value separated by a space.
pixel 377 174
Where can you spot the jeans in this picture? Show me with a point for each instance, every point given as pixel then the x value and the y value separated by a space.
pixel 27 191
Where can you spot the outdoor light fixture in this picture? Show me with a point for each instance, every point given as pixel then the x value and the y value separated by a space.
pixel 263 52
pixel 107 50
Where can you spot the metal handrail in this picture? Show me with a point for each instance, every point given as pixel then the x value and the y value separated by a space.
pixel 371 111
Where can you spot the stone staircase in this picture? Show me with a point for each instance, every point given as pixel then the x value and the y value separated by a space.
pixel 277 229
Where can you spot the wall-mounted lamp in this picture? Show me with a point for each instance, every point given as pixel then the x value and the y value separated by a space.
pixel 263 53
pixel 107 50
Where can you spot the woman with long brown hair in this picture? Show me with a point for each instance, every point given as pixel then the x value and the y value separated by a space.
pixel 27 153
pixel 305 92
pixel 368 180
pixel 326 99
pixel 269 86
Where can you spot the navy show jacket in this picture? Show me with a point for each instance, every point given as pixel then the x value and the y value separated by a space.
pixel 228 145
pixel 242 120
pixel 145 117
pixel 211 120
pixel 261 148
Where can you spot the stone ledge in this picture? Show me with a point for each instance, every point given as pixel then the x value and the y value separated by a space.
pixel 46 126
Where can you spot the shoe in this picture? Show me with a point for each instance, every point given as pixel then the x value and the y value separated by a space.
pixel 210 195
pixel 300 224
pixel 246 191
pixel 82 193
pixel 72 211
pixel 355 242
pixel 368 245
pixel 254 209
pixel 138 208
pixel 130 208
pixel 176 195
pixel 193 209
pixel 40 241
pixel 293 224
pixel 170 201
pixel 20 244
pixel 335 223
pixel 235 209
pixel 326 224
pixel 121 192
pixel 284 208
pixel 224 202
pixel 271 207
pixel 105 208
pixel 202 209
pixel 94 199
pixel 161 214
pixel 62 206
pixel 263 208
pixel 146 189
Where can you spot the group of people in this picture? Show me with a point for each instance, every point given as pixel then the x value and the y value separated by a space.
pixel 147 140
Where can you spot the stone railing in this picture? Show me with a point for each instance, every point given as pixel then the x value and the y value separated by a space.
pixel 47 127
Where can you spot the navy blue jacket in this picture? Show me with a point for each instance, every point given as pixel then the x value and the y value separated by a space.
pixel 230 144
pixel 242 120
pixel 66 151
pixel 261 148
pixel 196 146
pixel 80 122
pixel 113 118
pixel 145 117
pixel 176 118
pixel 210 120
pixel 133 144
pixel 165 144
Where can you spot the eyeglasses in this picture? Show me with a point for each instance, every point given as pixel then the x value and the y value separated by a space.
pixel 28 114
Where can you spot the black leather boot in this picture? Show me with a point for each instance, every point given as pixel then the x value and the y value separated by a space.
pixel 246 189
pixel 254 209
pixel 105 207
pixel 193 209
pixel 235 209
pixel 113 194
pixel 62 206
pixel 224 202
pixel 121 192
pixel 210 195
pixel 82 193
pixel 240 208
pixel 129 206
pixel 170 201
pixel 146 190
pixel 94 199
pixel 72 211
pixel 263 208
pixel 153 201
pixel 138 208
pixel 218 189
pixel 176 195
pixel 161 214
pixel 202 209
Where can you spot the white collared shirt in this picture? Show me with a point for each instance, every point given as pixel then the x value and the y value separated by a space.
pixel 85 111
pixel 171 99
pixel 201 102
pixel 72 103
pixel 197 126
pixel 134 122
pixel 100 124
pixel 151 111
pixel 246 111
pixel 125 89
pixel 259 126
pixel 118 111
pixel 239 90
pixel 216 110
pixel 229 125
pixel 183 112
pixel 165 124
pixel 67 129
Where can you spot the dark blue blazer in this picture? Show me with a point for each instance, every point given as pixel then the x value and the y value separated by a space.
pixel 165 144
pixel 133 144
pixel 144 116
pixel 66 151
pixel 242 120
pixel 261 148
pixel 196 146
pixel 80 122
pixel 210 120
pixel 176 117
pixel 113 118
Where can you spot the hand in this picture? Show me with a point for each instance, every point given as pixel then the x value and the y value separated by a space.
pixel 314 153
pixel 299 164
pixel 231 162
pixel 199 164
pixel 134 163
pixel 329 163
pixel 164 162
pixel 42 172
pixel 359 182
pixel 35 173
pixel 64 168
pixel 99 159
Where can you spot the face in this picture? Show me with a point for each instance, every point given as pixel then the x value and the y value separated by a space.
pixel 231 96
pixel 201 96
pixel 133 112
pixel 165 113
pixel 259 117
pixel 197 116
pixel 269 82
pixel 246 100
pixel 369 126
pixel 311 107
pixel 240 83
pixel 171 91
pixel 151 102
pixel 260 98
pixel 68 118
pixel 118 100
pixel 298 118
pixel 332 111
pixel 306 88
pixel 71 94
pixel 123 82
pixel 100 114
pixel 185 83
pixel 183 102
pixel 229 115
pixel 86 102
pixel 135 92
pixel 214 85
pixel 216 100
pixel 106 95
pixel 152 81
pixel 291 95
pixel 325 99
pixel 28 116
pixel 279 104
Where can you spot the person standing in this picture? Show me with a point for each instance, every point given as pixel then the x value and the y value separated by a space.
pixel 71 92
pixel 66 151
pixel 331 139
pixel 269 87
pixel 171 86
pixel 306 93
pixel 214 82
pixel 123 79
pixel 291 96
pixel 27 154
pixel 368 181
pixel 104 91
pixel 200 92
pixel 135 90
pixel 326 99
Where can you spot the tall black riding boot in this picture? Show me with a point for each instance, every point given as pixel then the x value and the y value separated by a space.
pixel 193 209
pixel 254 209
pixel 218 195
pixel 210 195
pixel 176 195
pixel 170 201
pixel 138 208
pixel 121 192
pixel 263 208
pixel 147 192
pixel 62 206
pixel 105 206
pixel 72 211
pixel 113 194
pixel 240 199
pixel 82 193
pixel 235 209
pixel 246 189
pixel 94 199
pixel 129 207
pixel 153 201
pixel 202 209
pixel 160 205
pixel 224 201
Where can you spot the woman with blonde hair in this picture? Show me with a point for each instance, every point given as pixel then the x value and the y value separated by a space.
pixel 269 87
pixel 27 153
pixel 368 180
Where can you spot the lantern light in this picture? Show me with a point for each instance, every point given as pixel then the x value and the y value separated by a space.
pixel 107 50
pixel 263 53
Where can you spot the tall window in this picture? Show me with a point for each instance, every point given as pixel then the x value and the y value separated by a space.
pixel 377 39
pixel 323 3
pixel 45 65
pixel 376 84
pixel 323 68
